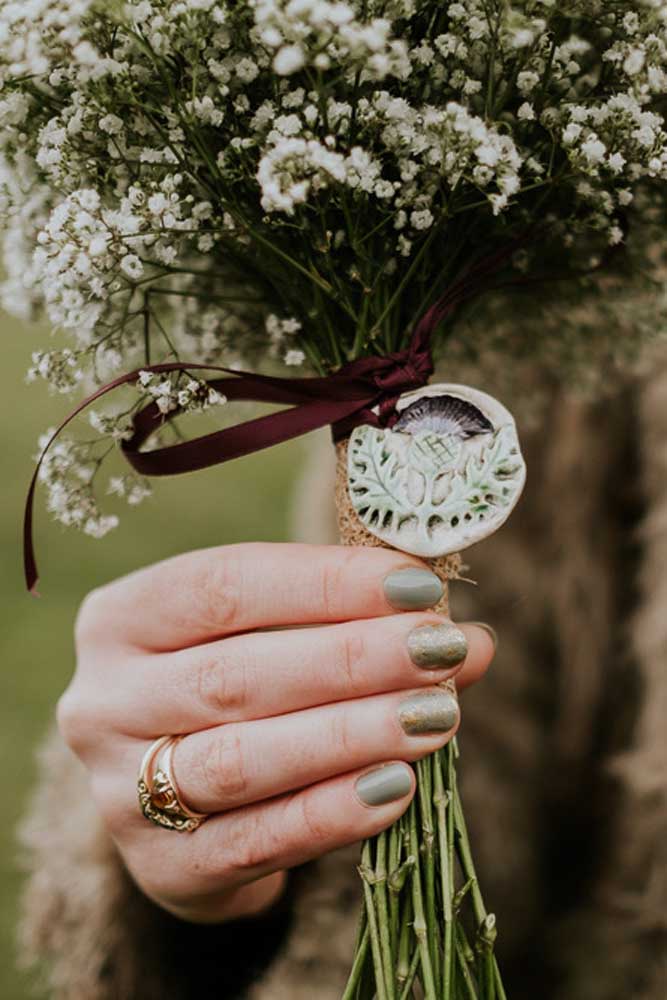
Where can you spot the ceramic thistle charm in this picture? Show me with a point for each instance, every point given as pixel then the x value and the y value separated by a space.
pixel 446 475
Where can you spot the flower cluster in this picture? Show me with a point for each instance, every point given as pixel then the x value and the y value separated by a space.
pixel 297 180
pixel 178 393
pixel 324 35
pixel 68 474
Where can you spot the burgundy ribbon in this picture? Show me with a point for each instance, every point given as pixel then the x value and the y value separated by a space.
pixel 344 400
pixel 364 391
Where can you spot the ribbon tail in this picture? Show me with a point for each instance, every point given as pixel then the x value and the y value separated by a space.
pixel 239 440
pixel 29 563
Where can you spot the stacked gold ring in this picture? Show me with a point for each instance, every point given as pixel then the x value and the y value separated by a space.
pixel 159 797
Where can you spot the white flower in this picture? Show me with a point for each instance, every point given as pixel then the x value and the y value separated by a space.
pixel 594 150
pixel 247 70
pixel 616 162
pixel 117 486
pixel 634 62
pixel 527 80
pixel 215 398
pixel 571 133
pixel 138 492
pixel 289 60
pixel 421 219
pixel 111 124
pixel 294 357
pixel 132 266
pixel 98 527
pixel 522 38
pixel 291 168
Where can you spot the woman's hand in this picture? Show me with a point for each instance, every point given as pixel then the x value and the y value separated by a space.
pixel 294 740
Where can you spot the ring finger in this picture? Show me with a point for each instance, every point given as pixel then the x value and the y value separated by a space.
pixel 240 763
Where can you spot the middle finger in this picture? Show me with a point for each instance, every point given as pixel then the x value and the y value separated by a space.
pixel 261 675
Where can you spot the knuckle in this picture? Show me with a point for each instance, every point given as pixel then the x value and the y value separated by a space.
pixel 216 586
pixel 220 685
pixel 332 584
pixel 349 655
pixel 340 736
pixel 250 843
pixel 253 851
pixel 71 718
pixel 313 824
pixel 222 767
pixel 89 617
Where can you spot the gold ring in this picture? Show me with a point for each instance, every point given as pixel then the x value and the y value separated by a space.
pixel 158 792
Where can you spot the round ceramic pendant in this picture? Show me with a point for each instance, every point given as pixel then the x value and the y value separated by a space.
pixel 446 475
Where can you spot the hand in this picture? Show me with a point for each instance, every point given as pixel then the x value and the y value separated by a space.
pixel 288 734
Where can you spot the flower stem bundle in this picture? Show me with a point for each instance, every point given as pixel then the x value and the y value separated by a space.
pixel 425 930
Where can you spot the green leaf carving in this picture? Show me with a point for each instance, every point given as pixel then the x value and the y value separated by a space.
pixel 455 494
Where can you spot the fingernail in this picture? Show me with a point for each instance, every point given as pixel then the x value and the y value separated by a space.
pixel 428 712
pixel 490 631
pixel 386 784
pixel 412 589
pixel 435 646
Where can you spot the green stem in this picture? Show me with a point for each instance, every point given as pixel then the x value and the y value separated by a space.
pixel 419 925
pixel 357 966
pixel 380 893
pixel 463 952
pixel 468 866
pixel 412 972
pixel 394 906
pixel 411 270
pixel 376 949
pixel 489 977
pixel 403 967
pixel 425 787
pixel 445 844
pixel 500 989
pixel 465 854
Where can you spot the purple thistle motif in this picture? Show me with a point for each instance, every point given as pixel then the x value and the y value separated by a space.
pixel 443 415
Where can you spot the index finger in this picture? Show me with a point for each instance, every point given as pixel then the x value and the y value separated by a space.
pixel 215 592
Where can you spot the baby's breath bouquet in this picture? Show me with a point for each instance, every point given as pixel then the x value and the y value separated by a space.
pixel 298 183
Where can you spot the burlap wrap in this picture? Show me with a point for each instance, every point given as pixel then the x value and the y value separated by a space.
pixel 353 532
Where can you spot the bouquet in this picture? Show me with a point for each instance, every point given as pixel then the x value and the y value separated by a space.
pixel 331 193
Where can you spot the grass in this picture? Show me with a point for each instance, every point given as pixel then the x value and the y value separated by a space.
pixel 243 501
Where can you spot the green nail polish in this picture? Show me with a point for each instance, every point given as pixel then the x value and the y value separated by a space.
pixel 412 589
pixel 428 712
pixel 433 647
pixel 386 784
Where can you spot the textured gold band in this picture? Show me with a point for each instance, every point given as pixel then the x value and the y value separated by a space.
pixel 158 792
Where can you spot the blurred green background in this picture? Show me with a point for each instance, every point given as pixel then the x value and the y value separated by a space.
pixel 36 635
